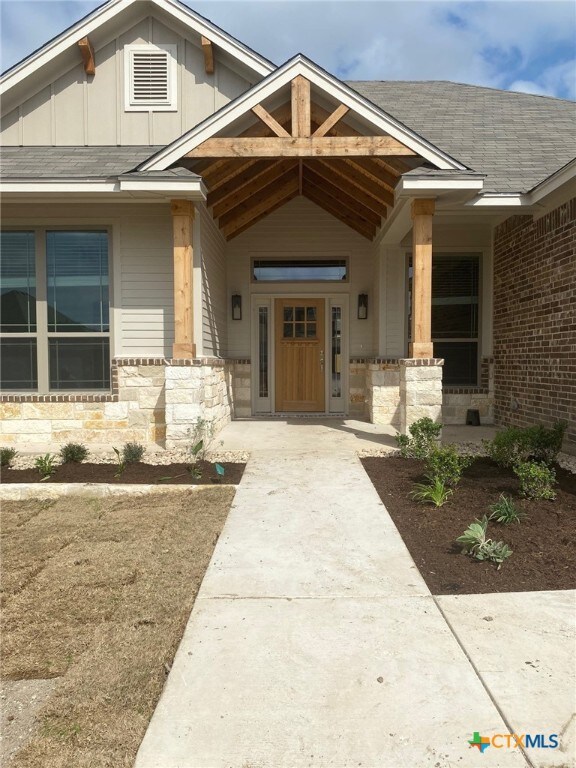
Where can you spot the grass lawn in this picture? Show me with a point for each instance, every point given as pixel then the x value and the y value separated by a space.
pixel 96 593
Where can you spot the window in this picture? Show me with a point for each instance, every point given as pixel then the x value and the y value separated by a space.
pixel 455 315
pixel 151 78
pixel 55 328
pixel 299 270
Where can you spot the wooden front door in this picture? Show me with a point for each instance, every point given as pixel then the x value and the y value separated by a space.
pixel 300 353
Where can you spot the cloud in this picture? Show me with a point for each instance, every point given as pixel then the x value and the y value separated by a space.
pixel 512 44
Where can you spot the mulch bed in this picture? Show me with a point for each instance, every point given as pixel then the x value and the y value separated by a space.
pixel 544 556
pixel 137 473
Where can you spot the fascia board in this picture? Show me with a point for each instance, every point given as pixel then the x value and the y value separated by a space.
pixel 281 77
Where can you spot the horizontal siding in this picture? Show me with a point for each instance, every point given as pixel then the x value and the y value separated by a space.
pixel 214 303
pixel 301 228
pixel 147 286
pixel 68 111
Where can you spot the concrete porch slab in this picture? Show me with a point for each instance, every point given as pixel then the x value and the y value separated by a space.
pixel 324 682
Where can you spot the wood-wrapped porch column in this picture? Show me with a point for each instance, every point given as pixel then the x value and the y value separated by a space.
pixel 183 236
pixel 422 215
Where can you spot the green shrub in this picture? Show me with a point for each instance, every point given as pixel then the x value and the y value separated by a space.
pixel 132 453
pixel 7 455
pixel 514 445
pixel 536 480
pixel 445 463
pixel 510 446
pixel 434 492
pixel 546 444
pixel 73 453
pixel 504 511
pixel 45 465
pixel 476 544
pixel 424 435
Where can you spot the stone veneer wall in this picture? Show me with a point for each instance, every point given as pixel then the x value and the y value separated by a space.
pixel 420 390
pixel 383 391
pixel 152 400
pixel 535 320
pixel 242 388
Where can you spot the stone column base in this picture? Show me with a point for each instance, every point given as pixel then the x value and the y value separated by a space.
pixel 420 390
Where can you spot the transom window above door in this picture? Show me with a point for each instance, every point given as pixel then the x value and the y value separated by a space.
pixel 299 322
pixel 299 270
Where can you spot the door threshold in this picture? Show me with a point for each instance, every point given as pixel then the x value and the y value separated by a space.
pixel 300 415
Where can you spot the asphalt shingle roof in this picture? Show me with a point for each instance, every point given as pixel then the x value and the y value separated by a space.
pixel 516 139
pixel 71 162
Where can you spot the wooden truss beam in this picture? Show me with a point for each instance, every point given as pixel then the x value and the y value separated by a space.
pixel 269 120
pixel 331 121
pixel 319 197
pixel 262 203
pixel 238 231
pixel 339 180
pixel 375 172
pixel 88 58
pixel 258 180
pixel 342 197
pixel 301 119
pixel 208 50
pixel 331 146
pixel 228 171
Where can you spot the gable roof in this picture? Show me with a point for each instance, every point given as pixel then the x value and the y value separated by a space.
pixel 515 139
pixel 330 86
pixel 106 12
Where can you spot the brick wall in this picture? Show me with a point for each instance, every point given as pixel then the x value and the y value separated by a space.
pixel 535 320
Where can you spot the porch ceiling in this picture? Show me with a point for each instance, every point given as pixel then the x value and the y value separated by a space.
pixel 300 148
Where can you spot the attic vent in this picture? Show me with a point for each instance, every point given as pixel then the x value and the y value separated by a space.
pixel 150 78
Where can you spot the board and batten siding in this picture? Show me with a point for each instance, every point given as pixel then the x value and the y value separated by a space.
pixel 79 110
pixel 214 293
pixel 302 229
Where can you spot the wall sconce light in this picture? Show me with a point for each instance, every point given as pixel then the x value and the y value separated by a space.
pixel 236 306
pixel 362 306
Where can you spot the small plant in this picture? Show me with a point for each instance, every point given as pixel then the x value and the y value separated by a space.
pixel 45 465
pixel 536 480
pixel 132 453
pixel 195 471
pixel 424 435
pixel 7 456
pixel 504 511
pixel 434 492
pixel 476 544
pixel 446 464
pixel 73 453
pixel 201 436
pixel 121 462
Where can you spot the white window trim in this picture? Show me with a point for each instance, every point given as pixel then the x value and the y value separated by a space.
pixel 172 104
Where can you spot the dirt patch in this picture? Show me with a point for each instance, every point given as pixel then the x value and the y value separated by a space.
pixel 21 701
pixel 139 473
pixel 97 593
pixel 543 546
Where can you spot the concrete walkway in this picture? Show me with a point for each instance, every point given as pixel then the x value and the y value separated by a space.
pixel 315 642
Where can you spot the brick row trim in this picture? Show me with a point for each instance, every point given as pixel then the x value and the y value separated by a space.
pixel 415 362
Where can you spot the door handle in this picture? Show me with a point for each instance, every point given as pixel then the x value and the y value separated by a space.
pixel 321 359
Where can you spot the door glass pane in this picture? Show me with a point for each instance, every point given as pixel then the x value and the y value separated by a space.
pixel 79 363
pixel 17 282
pixel 77 274
pixel 18 364
pixel 288 330
pixel 336 352
pixel 299 330
pixel 288 314
pixel 263 351
pixel 299 313
pixel 310 313
pixel 311 331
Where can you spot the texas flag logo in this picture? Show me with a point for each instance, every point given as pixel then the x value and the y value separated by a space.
pixel 482 742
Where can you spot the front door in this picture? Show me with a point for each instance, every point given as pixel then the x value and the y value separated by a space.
pixel 300 340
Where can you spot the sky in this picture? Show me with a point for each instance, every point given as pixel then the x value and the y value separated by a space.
pixel 509 44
